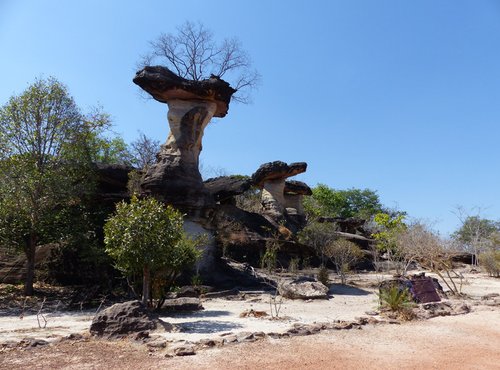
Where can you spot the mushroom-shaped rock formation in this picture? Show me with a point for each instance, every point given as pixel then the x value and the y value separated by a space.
pixel 175 178
pixel 270 177
pixel 224 188
pixel 294 192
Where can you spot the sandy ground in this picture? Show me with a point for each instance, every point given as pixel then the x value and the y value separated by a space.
pixel 469 341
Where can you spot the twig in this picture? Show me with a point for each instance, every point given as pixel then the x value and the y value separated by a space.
pixel 21 316
pixel 102 302
pixel 39 314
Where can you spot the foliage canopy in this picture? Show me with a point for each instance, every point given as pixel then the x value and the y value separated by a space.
pixel 146 237
pixel 328 202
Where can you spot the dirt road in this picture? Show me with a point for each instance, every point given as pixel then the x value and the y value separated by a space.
pixel 469 341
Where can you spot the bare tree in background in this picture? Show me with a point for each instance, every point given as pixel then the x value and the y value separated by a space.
pixel 474 231
pixel 419 243
pixel 193 54
pixel 344 254
pixel 144 151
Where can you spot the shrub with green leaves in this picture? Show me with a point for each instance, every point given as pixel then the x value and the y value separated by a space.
pixel 145 237
pixel 395 298
pixel 490 260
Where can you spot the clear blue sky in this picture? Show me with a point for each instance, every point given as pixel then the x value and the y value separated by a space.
pixel 402 97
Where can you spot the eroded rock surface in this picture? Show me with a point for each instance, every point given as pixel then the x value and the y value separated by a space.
pixel 224 188
pixel 270 177
pixel 302 288
pixel 175 178
pixel 123 319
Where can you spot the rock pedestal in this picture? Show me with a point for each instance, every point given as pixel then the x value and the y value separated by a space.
pixel 175 178
pixel 270 177
pixel 294 192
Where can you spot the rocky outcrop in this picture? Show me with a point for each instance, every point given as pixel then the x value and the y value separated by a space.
pixel 270 177
pixel 175 178
pixel 164 86
pixel 123 319
pixel 224 188
pixel 112 182
pixel 302 288
pixel 294 192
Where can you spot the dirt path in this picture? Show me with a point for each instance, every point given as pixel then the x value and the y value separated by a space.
pixel 459 342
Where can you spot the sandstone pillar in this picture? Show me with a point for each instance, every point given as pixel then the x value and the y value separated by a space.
pixel 175 178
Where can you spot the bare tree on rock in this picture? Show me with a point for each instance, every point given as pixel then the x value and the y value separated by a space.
pixel 194 54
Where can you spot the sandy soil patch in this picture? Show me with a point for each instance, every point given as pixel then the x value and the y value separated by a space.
pixel 465 341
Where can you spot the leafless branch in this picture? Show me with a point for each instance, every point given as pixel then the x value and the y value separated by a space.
pixel 193 54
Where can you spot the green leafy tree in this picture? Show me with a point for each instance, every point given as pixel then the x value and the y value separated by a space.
pixel 474 233
pixel 145 237
pixel 389 228
pixel 43 139
pixel 328 202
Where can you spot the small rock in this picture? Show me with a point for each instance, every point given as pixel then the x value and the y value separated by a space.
pixel 490 296
pixel 343 326
pixel 157 343
pixel 32 343
pixel 274 335
pixel 184 351
pixel 182 304
pixel 9 344
pixel 142 335
pixel 75 336
pixel 230 339
pixel 207 342
pixel 246 337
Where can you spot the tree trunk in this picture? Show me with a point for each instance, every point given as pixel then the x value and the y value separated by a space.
pixel 146 281
pixel 30 250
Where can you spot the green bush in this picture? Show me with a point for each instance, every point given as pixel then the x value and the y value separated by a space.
pixel 395 298
pixel 146 238
pixel 490 260
pixel 323 276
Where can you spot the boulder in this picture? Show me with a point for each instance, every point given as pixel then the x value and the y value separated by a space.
pixel 123 319
pixel 182 304
pixel 302 288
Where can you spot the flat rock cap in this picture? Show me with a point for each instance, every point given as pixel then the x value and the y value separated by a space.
pixel 164 85
pixel 297 187
pixel 225 187
pixel 277 170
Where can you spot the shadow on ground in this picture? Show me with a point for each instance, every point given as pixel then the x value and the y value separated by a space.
pixel 207 326
pixel 194 314
pixel 339 289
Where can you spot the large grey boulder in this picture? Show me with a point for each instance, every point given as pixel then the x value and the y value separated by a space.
pixel 302 288
pixel 123 319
